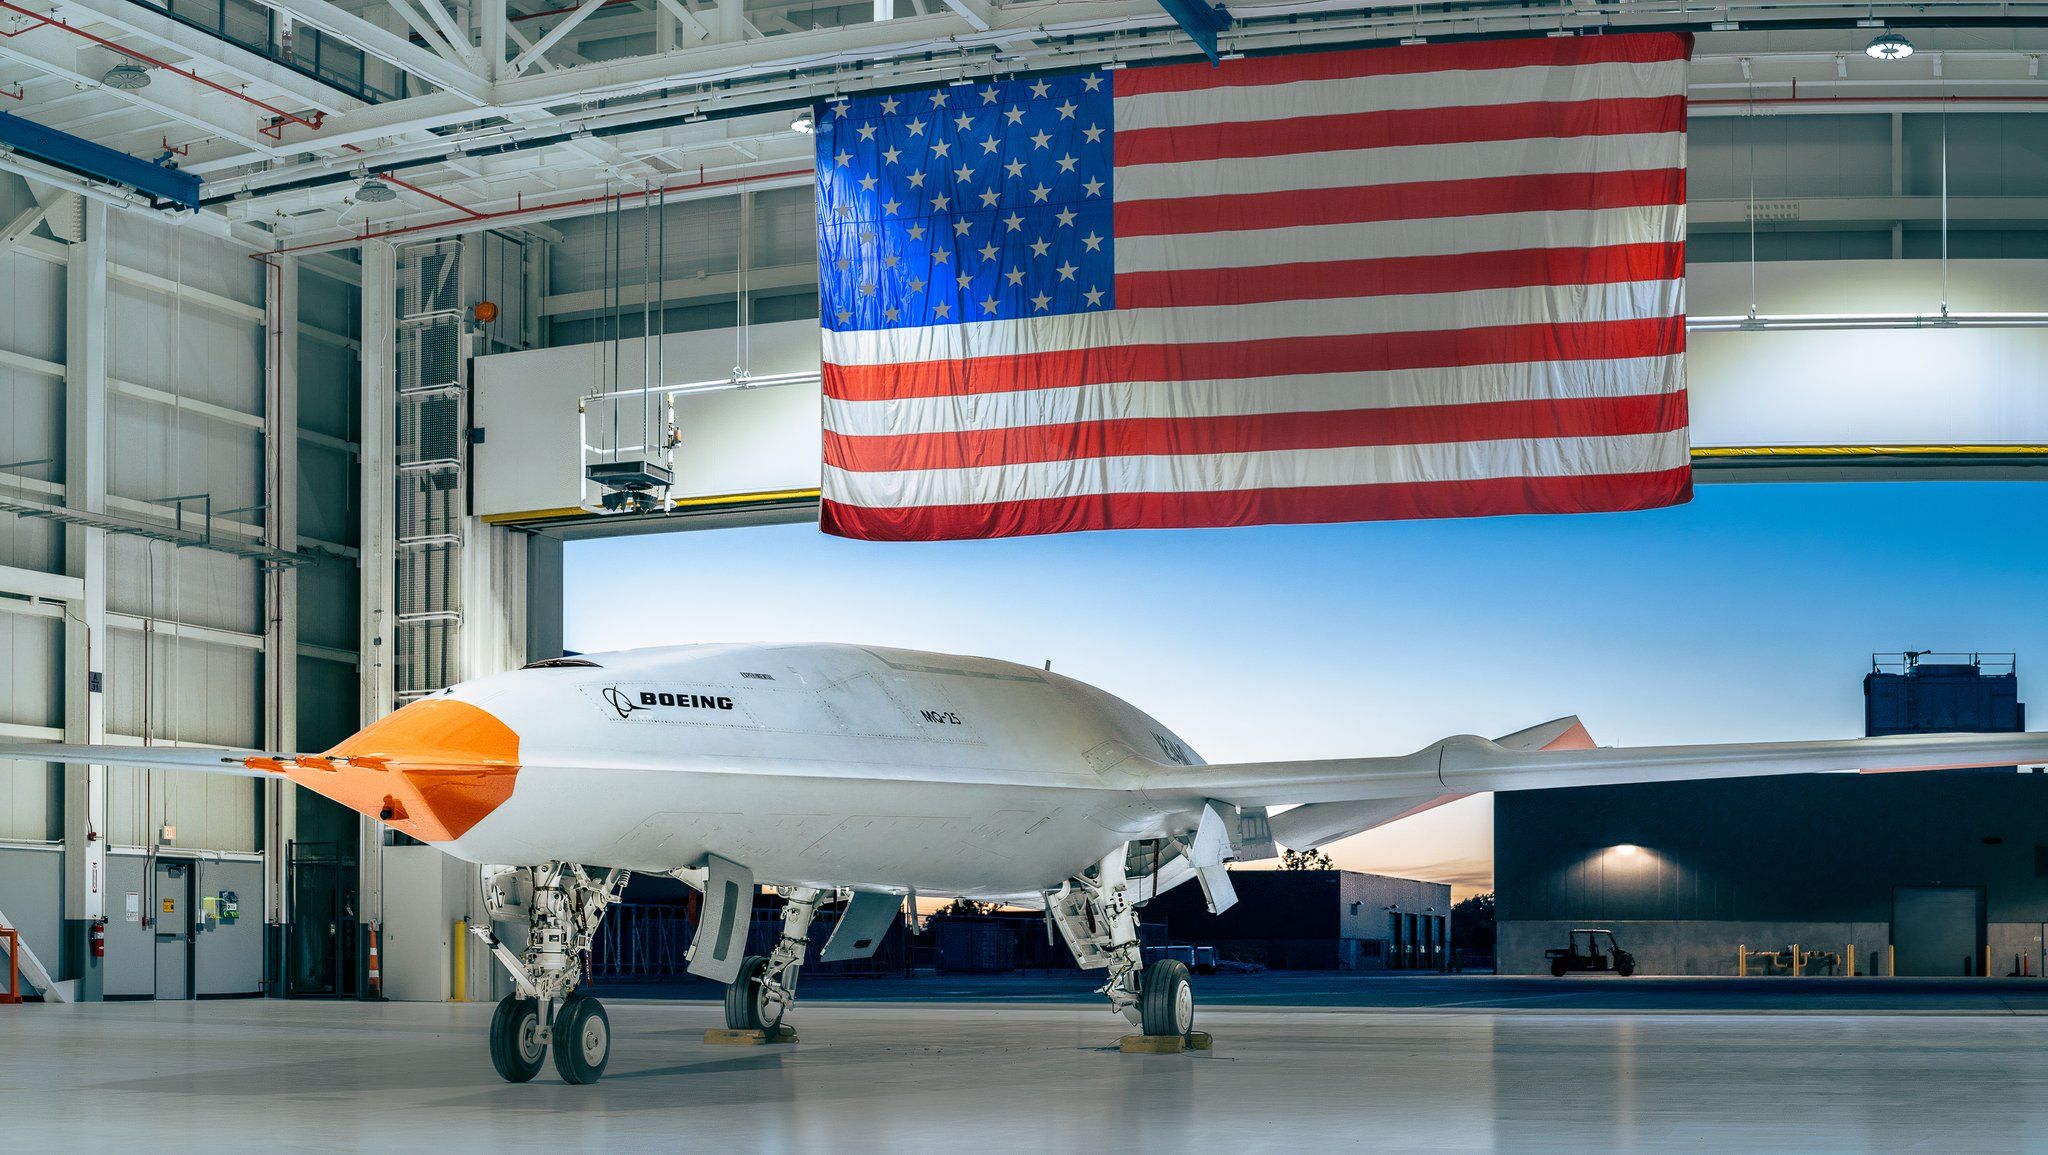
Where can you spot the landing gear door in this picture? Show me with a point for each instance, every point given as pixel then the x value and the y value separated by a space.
pixel 721 942
pixel 1210 849
pixel 868 917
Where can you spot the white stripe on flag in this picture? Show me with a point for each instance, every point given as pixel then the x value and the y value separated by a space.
pixel 1281 469
pixel 1423 162
pixel 1343 316
pixel 1320 393
pixel 1403 92
pixel 1441 236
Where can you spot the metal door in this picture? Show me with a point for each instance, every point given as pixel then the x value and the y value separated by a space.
pixel 1938 930
pixel 172 919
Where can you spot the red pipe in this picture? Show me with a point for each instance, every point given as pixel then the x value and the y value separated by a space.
pixel 275 132
pixel 503 214
pixel 468 212
pixel 1812 100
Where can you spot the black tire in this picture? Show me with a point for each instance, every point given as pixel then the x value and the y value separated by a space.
pixel 583 1040
pixel 1166 1003
pixel 743 1010
pixel 516 1049
pixel 1558 967
pixel 1625 965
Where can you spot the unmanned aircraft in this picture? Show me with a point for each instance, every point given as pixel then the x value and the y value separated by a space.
pixel 866 774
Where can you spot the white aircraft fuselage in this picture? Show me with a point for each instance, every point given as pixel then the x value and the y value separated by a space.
pixel 820 765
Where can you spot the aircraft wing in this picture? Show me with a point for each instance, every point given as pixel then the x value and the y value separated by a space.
pixel 1468 764
pixel 210 759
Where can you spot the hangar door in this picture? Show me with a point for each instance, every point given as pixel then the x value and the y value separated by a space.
pixel 1938 930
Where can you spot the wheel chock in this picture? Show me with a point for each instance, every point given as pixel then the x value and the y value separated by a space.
pixel 1201 1041
pixel 1151 1044
pixel 720 1037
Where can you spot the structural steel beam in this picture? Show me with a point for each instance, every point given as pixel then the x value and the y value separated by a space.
pixel 386 46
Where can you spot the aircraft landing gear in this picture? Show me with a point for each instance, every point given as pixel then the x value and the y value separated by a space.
pixel 1095 917
pixel 766 987
pixel 562 905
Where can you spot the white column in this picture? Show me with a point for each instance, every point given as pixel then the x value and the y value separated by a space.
pixel 280 586
pixel 379 494
pixel 85 557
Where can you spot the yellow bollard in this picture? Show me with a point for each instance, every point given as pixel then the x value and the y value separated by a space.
pixel 1987 960
pixel 460 973
pixel 1852 960
pixel 1891 961
pixel 1795 960
pixel 1742 960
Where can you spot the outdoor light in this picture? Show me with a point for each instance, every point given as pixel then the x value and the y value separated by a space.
pixel 803 123
pixel 375 192
pixel 1628 849
pixel 1890 46
pixel 126 77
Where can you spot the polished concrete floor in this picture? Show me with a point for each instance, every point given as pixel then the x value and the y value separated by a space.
pixel 879 1075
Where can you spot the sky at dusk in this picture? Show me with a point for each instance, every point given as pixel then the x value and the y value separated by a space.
pixel 1750 614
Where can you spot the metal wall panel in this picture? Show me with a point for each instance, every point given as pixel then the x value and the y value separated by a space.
pixel 32 898
pixel 32 307
pixel 184 347
pixel 196 691
pixel 31 656
pixel 191 585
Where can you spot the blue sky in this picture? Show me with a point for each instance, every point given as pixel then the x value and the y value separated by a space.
pixel 1749 614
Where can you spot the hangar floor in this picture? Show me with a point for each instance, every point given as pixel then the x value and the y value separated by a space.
pixel 877 1075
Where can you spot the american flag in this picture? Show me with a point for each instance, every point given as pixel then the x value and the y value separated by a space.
pixel 1427 281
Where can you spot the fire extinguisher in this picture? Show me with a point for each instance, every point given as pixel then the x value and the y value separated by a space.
pixel 99 938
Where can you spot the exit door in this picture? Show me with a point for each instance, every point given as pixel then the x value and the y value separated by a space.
pixel 1938 930
pixel 320 940
pixel 172 920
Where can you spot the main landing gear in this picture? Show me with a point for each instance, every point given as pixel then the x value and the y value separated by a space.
pixel 1095 915
pixel 766 987
pixel 562 905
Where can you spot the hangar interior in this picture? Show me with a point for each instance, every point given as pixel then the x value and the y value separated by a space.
pixel 278 466
pixel 301 442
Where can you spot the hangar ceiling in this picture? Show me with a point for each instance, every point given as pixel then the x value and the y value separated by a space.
pixel 511 112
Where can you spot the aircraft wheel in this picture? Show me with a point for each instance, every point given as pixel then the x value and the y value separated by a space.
pixel 1167 1000
pixel 516 1049
pixel 745 1007
pixel 583 1040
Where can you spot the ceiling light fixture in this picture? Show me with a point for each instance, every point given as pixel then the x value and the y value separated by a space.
pixel 1890 46
pixel 126 77
pixel 375 192
pixel 804 123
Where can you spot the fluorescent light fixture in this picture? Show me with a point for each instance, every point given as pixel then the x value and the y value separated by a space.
pixel 375 192
pixel 126 77
pixel 1725 26
pixel 1798 322
pixel 958 82
pixel 802 122
pixel 1412 40
pixel 1870 22
pixel 1890 46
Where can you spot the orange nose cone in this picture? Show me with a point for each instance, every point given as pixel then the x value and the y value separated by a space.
pixel 433 769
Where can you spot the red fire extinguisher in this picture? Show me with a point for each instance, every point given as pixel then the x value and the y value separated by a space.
pixel 99 938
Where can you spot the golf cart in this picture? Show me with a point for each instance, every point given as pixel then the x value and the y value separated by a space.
pixel 1591 950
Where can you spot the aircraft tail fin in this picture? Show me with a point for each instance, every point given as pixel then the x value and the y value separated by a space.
pixel 1321 823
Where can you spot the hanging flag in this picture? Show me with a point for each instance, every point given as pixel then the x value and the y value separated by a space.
pixel 1428 281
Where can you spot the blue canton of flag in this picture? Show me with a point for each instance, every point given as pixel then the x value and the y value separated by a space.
pixel 966 203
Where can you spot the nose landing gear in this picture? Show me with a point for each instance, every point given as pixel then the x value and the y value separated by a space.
pixel 562 905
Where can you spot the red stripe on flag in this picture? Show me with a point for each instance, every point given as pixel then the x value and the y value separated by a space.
pixel 1478 55
pixel 1260 433
pixel 1387 276
pixel 1600 493
pixel 1285 356
pixel 1402 127
pixel 1486 196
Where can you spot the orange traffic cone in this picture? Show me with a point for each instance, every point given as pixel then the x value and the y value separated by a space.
pixel 376 977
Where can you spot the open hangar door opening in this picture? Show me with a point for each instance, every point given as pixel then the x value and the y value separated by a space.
pixel 366 420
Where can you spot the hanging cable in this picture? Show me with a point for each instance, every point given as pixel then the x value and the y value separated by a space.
pixel 1751 89
pixel 1944 200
